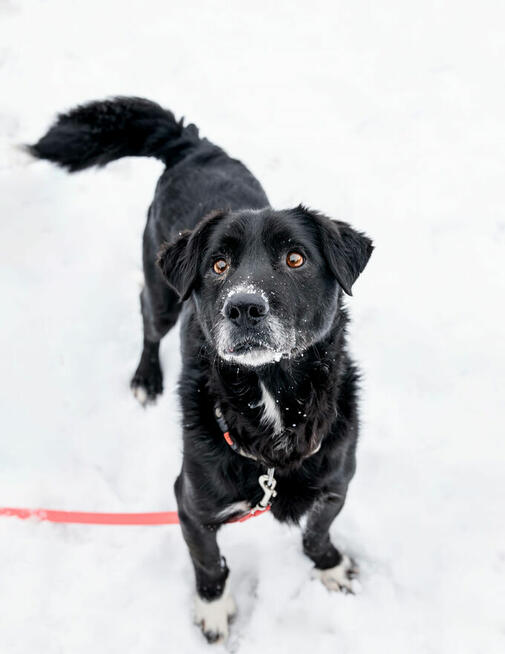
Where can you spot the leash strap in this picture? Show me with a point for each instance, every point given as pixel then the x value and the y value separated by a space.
pixel 266 481
pixel 87 518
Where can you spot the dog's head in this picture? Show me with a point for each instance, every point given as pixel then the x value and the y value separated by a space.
pixel 265 283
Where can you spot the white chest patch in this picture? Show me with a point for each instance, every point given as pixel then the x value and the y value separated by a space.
pixel 271 415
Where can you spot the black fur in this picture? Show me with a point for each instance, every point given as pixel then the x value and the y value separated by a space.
pixel 97 133
pixel 208 206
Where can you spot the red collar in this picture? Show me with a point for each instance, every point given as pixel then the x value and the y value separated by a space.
pixel 266 481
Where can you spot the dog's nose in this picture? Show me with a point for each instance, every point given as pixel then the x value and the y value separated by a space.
pixel 245 309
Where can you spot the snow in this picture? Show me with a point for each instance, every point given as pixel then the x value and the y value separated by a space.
pixel 388 115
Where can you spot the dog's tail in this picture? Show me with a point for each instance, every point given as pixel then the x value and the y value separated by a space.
pixel 97 133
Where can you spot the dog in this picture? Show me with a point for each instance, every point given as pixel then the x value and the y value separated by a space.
pixel 268 390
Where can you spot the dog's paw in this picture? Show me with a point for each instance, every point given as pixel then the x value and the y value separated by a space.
pixel 147 385
pixel 340 577
pixel 213 616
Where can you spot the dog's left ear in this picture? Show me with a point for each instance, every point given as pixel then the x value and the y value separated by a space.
pixel 179 260
pixel 346 250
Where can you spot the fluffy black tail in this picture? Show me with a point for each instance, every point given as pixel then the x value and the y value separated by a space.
pixel 99 132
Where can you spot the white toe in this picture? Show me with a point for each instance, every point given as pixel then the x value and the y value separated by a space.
pixel 339 577
pixel 140 393
pixel 213 615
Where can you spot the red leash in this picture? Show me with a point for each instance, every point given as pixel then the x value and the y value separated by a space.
pixel 87 518
pixel 159 518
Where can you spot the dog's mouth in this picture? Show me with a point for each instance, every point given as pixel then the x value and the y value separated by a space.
pixel 253 347
pixel 248 345
pixel 253 352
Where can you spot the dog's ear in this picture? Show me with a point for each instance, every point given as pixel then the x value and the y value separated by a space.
pixel 346 250
pixel 179 260
pixel 175 265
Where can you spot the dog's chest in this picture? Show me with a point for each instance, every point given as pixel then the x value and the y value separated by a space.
pixel 271 411
pixel 280 409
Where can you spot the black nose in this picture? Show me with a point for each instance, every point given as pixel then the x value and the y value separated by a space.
pixel 245 309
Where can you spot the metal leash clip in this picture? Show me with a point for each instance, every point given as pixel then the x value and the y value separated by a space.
pixel 268 483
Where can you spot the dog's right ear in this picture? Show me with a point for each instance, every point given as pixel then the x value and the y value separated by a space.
pixel 176 266
pixel 179 260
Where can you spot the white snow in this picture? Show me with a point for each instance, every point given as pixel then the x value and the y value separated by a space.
pixel 389 115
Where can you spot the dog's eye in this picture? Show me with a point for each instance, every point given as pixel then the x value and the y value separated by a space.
pixel 220 266
pixel 295 259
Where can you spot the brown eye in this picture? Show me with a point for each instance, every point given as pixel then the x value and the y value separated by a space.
pixel 220 266
pixel 294 260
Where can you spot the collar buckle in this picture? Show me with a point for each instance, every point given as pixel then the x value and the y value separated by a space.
pixel 268 483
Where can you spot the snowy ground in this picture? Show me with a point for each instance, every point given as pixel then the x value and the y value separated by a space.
pixel 390 115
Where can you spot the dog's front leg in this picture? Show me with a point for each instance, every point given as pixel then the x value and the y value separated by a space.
pixel 335 570
pixel 214 605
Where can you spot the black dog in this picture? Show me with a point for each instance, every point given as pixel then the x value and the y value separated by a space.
pixel 268 390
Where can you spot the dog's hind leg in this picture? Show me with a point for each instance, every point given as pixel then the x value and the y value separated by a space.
pixel 334 569
pixel 160 309
pixel 214 605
